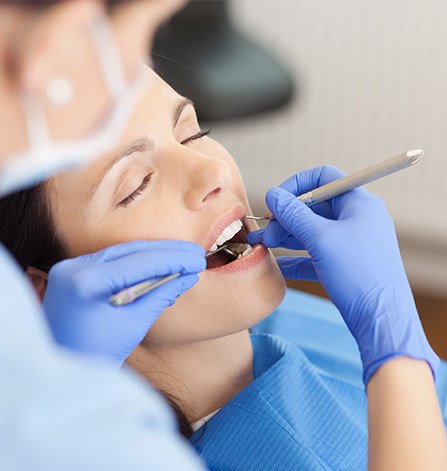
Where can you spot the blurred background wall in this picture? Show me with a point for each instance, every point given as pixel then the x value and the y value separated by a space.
pixel 371 83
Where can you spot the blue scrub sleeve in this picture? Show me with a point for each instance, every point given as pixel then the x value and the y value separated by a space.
pixel 60 411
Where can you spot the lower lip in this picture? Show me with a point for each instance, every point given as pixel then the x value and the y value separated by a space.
pixel 254 258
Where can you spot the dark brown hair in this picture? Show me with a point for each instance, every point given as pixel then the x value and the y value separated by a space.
pixel 27 230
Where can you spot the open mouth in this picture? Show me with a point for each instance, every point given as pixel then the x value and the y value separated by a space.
pixel 234 237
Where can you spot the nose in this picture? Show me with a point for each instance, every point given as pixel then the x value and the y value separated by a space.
pixel 202 178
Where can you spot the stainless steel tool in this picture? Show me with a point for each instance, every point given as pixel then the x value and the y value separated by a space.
pixel 362 177
pixel 131 294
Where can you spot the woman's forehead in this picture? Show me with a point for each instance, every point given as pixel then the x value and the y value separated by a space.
pixel 157 88
pixel 156 105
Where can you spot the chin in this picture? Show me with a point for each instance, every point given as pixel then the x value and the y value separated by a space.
pixel 259 294
pixel 221 304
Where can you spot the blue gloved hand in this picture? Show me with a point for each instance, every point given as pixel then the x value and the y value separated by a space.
pixel 77 305
pixel 355 255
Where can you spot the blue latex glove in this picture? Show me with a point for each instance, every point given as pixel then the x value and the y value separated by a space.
pixel 76 300
pixel 355 255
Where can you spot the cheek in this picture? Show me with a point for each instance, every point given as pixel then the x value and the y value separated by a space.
pixel 146 222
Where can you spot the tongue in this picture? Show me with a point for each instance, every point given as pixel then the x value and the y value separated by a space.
pixel 218 259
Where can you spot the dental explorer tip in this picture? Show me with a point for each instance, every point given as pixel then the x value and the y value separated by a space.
pixel 415 155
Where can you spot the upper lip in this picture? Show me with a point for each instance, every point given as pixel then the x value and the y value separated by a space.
pixel 237 212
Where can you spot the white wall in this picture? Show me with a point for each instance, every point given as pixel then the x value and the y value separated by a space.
pixel 372 78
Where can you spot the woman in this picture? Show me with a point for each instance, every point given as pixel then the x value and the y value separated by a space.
pixel 266 406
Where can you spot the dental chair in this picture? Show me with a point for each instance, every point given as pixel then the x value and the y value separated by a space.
pixel 227 75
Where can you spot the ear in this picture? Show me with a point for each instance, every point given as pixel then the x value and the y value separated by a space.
pixel 39 280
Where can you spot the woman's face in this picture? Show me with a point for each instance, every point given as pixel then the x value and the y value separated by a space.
pixel 166 180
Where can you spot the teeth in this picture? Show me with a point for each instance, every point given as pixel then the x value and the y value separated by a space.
pixel 237 247
pixel 240 249
pixel 230 231
pixel 247 250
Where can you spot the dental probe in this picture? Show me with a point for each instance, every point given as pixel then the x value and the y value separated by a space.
pixel 360 178
pixel 131 294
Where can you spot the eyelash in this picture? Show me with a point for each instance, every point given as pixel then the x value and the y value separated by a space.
pixel 128 199
pixel 144 184
pixel 199 135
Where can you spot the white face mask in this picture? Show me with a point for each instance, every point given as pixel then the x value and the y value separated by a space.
pixel 44 157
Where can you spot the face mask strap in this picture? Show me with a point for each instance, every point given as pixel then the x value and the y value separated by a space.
pixel 44 157
pixel 108 57
pixel 112 72
pixel 36 125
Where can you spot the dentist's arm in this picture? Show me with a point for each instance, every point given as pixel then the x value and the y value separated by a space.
pixel 354 254
pixel 406 431
pixel 76 301
pixel 62 411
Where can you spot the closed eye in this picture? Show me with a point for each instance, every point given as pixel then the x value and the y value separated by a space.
pixel 145 182
pixel 199 135
pixel 128 199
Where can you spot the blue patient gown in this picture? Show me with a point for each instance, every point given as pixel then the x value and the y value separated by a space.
pixel 306 408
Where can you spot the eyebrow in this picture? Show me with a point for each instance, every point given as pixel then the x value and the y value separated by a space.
pixel 139 145
pixel 179 110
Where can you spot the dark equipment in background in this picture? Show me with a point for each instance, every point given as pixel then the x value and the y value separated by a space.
pixel 201 55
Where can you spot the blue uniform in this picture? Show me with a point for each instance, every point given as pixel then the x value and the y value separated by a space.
pixel 61 412
pixel 306 408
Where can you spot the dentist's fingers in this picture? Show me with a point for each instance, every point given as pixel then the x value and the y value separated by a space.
pixel 255 237
pixel 258 237
pixel 165 295
pixel 292 221
pixel 297 268
pixel 308 180
pixel 130 247
pixel 311 179
pixel 92 277
pixel 274 235
pixel 141 266
pixel 294 216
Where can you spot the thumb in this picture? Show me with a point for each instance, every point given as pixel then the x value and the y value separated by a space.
pixel 255 237
pixel 297 218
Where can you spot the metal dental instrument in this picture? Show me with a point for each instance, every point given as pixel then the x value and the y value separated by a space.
pixel 360 178
pixel 131 294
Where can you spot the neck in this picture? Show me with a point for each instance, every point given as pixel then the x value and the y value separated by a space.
pixel 201 377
